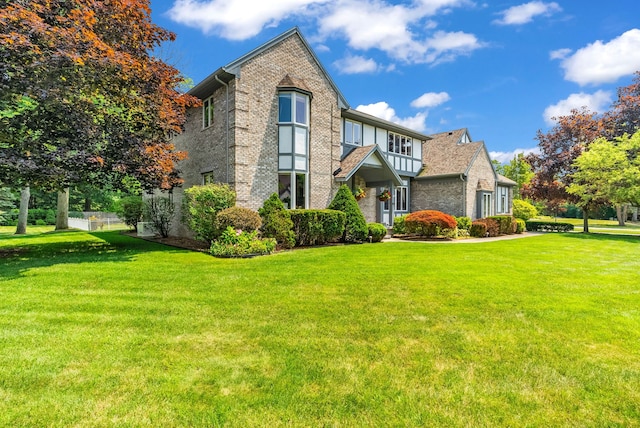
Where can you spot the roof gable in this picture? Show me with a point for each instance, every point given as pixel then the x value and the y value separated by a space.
pixel 367 157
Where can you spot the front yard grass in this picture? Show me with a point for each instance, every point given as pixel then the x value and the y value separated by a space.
pixel 102 329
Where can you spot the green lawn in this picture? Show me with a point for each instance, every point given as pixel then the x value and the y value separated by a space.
pixel 600 226
pixel 105 330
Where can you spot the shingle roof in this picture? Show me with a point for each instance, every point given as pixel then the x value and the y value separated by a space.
pixel 504 180
pixel 443 155
pixel 360 160
pixel 293 82
pixel 353 160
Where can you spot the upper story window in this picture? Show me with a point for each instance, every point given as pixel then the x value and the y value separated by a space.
pixel 293 107
pixel 400 144
pixel 207 112
pixel 352 133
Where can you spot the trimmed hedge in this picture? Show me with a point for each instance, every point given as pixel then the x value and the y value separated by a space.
pixel 377 231
pixel 548 226
pixel 233 243
pixel 356 226
pixel 478 229
pixel 316 227
pixel 399 227
pixel 430 223
pixel 238 218
pixel 505 224
pixel 276 222
pixel 492 228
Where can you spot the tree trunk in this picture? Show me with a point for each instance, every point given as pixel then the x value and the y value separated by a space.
pixel 621 214
pixel 585 220
pixel 25 194
pixel 62 215
pixel 87 204
pixel 634 214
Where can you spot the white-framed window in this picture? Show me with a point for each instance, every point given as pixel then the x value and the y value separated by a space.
pixel 207 112
pixel 402 198
pixel 352 133
pixel 486 205
pixel 503 200
pixel 207 177
pixel 400 144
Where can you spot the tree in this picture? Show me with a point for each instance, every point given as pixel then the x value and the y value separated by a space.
pixel 625 114
pixel 518 170
pixel 609 172
pixel 81 97
pixel 554 165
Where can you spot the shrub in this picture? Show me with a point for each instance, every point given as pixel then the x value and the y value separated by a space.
pixel 524 210
pixel 238 218
pixel 159 211
pixel 505 224
pixel 47 216
pixel 276 222
pixel 377 231
pixel 521 225
pixel 316 227
pixel 41 222
pixel 464 223
pixel 10 218
pixel 492 227
pixel 430 223
pixel 355 229
pixel 238 243
pixel 478 229
pixel 201 204
pixel 548 226
pixel 130 210
pixel 399 227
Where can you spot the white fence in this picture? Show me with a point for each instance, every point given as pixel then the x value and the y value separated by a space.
pixel 93 223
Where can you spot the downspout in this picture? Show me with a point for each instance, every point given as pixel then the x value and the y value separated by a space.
pixel 464 196
pixel 226 85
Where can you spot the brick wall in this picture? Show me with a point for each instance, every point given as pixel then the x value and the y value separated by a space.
pixel 444 195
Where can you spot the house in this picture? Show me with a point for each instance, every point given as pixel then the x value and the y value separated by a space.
pixel 274 121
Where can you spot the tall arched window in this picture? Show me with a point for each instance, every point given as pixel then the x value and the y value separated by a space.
pixel 293 148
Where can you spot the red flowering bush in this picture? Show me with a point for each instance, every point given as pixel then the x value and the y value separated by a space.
pixel 430 223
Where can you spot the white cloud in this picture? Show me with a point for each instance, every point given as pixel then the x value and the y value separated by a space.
pixel 524 13
pixel 430 99
pixel 604 62
pixel 596 102
pixel 356 64
pixel 385 111
pixel 505 157
pixel 444 47
pixel 560 53
pixel 238 19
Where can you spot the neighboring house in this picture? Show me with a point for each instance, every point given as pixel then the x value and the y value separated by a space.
pixel 274 121
pixel 458 178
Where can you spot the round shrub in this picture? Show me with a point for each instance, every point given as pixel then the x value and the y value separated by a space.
pixel 521 225
pixel 238 218
pixel 492 226
pixel 430 223
pixel 464 223
pixel 201 204
pixel 276 222
pixel 478 229
pixel 377 231
pixel 524 210
pixel 129 209
pixel 355 229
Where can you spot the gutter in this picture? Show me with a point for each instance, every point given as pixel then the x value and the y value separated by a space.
pixel 226 85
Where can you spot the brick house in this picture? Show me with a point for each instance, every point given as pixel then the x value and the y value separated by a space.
pixel 274 121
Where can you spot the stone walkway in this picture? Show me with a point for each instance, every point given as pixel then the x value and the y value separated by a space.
pixel 468 240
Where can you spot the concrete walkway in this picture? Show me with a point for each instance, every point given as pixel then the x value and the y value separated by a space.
pixel 468 240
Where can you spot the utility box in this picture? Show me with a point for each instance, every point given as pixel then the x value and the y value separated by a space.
pixel 145 228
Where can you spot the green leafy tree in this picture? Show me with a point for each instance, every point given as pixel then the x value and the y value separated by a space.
pixel 518 170
pixel 356 229
pixel 524 210
pixel 609 172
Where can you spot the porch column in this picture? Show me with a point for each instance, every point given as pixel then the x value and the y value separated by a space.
pixel 391 202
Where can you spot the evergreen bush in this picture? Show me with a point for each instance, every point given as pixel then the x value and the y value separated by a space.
pixel 464 223
pixel 239 243
pixel 377 231
pixel 200 206
pixel 524 210
pixel 317 227
pixel 238 218
pixel 276 222
pixel 399 227
pixel 355 229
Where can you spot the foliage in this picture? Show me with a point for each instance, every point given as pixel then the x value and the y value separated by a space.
pixel 521 225
pixel 82 99
pixel 385 195
pixel 276 222
pixel 238 218
pixel 608 172
pixel 200 206
pixel 356 226
pixel 130 210
pixel 548 226
pixel 359 193
pixel 463 222
pixel 7 201
pixel 430 223
pixel 624 118
pixel 505 224
pixel 491 229
pixel 478 229
pixel 377 231
pixel 317 227
pixel 399 227
pixel 523 209
pixel 159 211
pixel 238 243
pixel 518 170
pixel 553 166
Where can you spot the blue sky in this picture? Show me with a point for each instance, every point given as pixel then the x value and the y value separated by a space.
pixel 500 69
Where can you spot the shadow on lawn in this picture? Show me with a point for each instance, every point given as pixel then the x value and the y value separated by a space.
pixel 29 253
